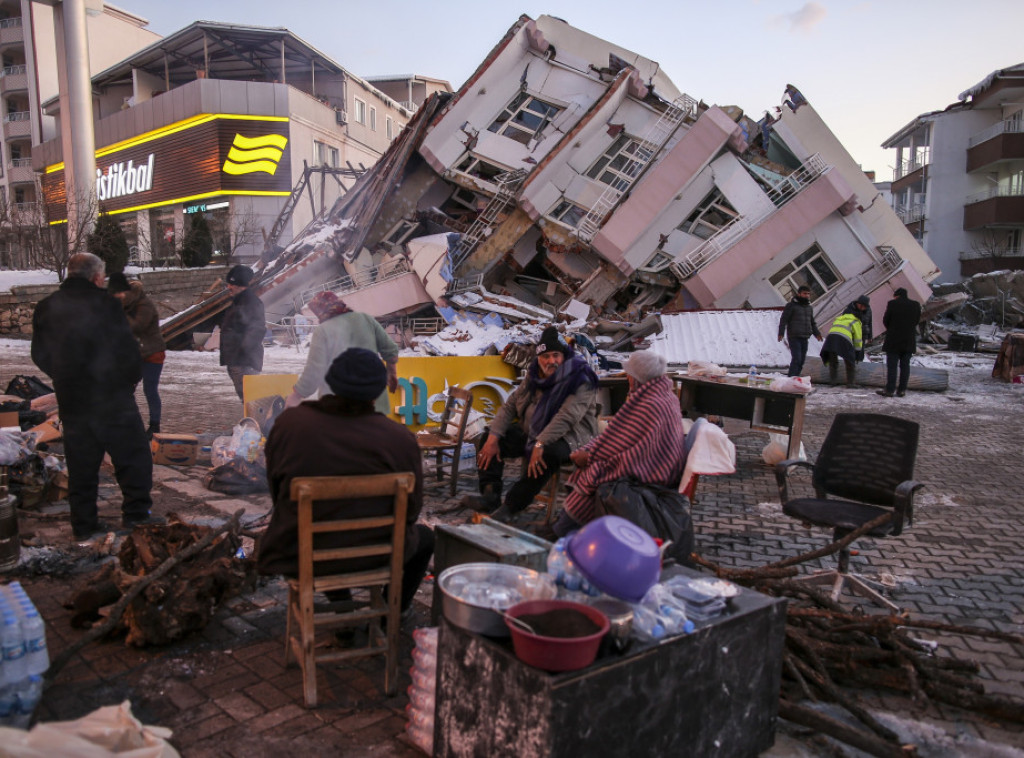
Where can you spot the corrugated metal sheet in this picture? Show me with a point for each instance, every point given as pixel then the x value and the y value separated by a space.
pixel 728 338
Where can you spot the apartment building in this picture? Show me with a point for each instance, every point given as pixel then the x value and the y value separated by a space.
pixel 230 121
pixel 959 178
pixel 29 77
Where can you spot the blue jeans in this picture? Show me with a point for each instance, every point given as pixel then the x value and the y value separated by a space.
pixel 798 351
pixel 150 388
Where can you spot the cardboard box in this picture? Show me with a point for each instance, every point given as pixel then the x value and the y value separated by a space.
pixel 9 418
pixel 175 449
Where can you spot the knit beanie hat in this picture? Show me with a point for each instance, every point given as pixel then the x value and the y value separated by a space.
pixel 357 374
pixel 864 300
pixel 240 276
pixel 117 282
pixel 645 365
pixel 550 339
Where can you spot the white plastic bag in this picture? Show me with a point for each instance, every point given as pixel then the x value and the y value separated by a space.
pixel 705 368
pixel 245 441
pixel 777 449
pixel 798 384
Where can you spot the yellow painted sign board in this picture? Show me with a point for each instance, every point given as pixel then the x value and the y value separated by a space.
pixel 264 385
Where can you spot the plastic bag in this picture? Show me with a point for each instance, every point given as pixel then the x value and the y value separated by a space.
pixel 778 448
pixel 662 512
pixel 705 368
pixel 28 387
pixel 16 447
pixel 245 442
pixel 238 477
pixel 798 384
pixel 660 614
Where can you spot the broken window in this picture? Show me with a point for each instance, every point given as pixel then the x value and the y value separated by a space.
pixel 811 268
pixel 621 163
pixel 658 262
pixel 524 118
pixel 712 215
pixel 568 213
pixel 473 166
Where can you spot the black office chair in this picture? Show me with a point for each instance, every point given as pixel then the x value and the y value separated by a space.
pixel 868 460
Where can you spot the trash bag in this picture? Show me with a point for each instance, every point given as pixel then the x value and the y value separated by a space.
pixel 238 477
pixel 662 512
pixel 27 387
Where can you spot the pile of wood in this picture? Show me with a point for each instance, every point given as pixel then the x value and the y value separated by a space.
pixel 830 651
pixel 177 574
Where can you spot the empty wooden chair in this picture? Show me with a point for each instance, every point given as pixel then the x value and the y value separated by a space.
pixel 449 435
pixel 383 538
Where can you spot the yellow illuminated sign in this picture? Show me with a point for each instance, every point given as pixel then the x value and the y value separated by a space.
pixel 250 154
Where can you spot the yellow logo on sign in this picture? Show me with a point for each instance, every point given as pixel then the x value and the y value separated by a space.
pixel 251 154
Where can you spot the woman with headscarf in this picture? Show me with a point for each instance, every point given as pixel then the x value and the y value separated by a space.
pixel 342 328
pixel 145 324
pixel 644 440
pixel 552 412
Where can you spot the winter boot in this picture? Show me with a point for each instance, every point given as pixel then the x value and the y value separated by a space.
pixel 833 372
pixel 851 374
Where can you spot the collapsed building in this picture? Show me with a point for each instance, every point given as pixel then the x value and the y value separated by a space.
pixel 569 175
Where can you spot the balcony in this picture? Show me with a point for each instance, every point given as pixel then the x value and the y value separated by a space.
pixel 13 79
pixel 1000 206
pixel 11 32
pixel 1001 142
pixel 986 261
pixel 910 214
pixel 17 124
pixel 20 171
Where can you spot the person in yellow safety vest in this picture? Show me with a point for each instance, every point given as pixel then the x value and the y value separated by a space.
pixel 844 340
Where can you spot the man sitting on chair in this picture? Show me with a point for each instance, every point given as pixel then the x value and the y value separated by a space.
pixel 644 440
pixel 342 435
pixel 551 413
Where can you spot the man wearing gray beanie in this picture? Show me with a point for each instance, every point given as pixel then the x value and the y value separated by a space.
pixel 342 435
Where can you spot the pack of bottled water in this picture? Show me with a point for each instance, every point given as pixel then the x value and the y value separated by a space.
pixel 420 710
pixel 25 657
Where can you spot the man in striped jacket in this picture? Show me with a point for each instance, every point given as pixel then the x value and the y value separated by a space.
pixel 644 440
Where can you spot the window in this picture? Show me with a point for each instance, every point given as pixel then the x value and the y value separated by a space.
pixel 621 163
pixel 360 109
pixel 812 269
pixel 389 127
pixel 524 118
pixel 373 119
pixel 713 213
pixel 473 166
pixel 568 213
pixel 324 154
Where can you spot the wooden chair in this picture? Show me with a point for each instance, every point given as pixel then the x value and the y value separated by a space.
pixel 439 440
pixel 308 492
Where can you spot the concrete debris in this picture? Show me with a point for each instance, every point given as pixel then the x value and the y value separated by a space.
pixel 553 187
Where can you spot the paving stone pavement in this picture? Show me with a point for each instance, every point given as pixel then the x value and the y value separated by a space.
pixel 226 692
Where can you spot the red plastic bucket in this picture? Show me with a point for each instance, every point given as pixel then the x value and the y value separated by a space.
pixel 556 653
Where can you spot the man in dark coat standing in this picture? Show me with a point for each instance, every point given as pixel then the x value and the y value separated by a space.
pixel 81 339
pixel 242 329
pixel 339 435
pixel 901 318
pixel 798 320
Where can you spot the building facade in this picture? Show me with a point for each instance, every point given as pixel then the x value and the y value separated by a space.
pixel 232 122
pixel 959 178
pixel 29 77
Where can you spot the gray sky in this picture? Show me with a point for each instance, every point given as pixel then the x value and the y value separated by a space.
pixel 867 66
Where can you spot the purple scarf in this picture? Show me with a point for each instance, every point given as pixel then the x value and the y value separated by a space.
pixel 573 372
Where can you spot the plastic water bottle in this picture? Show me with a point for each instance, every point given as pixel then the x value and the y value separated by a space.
pixel 8 705
pixel 12 644
pixel 37 657
pixel 27 692
pixel 752 375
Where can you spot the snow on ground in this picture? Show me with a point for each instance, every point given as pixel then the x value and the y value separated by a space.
pixel 9 279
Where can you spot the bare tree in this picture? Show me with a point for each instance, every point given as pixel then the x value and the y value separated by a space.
pixel 239 228
pixel 55 243
pixel 992 244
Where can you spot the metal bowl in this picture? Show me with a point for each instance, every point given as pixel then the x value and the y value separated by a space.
pixel 465 604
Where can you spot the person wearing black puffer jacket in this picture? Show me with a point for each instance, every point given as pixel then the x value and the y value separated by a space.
pixel 798 325
pixel 242 329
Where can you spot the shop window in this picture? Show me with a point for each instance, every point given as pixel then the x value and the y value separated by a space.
pixel 360 111
pixel 712 215
pixel 621 163
pixel 164 236
pixel 811 268
pixel 524 118
pixel 568 213
pixel 473 166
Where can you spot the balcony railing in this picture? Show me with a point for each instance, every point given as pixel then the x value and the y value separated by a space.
pixel 11 23
pixel 18 116
pixel 909 214
pixel 999 252
pixel 13 70
pixel 921 158
pixel 21 163
pixel 781 193
pixel 1010 126
pixel 1005 191
pixel 359 280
